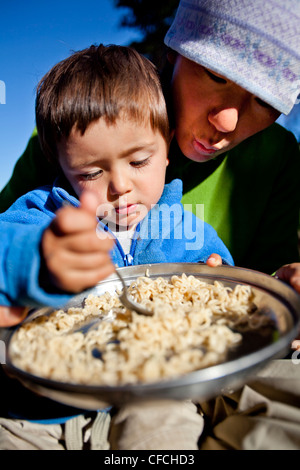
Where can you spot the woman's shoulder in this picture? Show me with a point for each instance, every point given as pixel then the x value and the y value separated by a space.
pixel 275 137
pixel 273 147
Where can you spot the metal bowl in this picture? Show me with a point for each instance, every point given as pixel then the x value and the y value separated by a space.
pixel 273 297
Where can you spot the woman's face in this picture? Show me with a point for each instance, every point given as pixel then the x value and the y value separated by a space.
pixel 213 114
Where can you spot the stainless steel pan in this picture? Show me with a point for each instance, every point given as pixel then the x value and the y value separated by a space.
pixel 274 298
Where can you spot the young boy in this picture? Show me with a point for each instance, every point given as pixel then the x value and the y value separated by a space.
pixel 101 117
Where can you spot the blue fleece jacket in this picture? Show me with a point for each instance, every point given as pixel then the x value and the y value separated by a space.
pixel 167 234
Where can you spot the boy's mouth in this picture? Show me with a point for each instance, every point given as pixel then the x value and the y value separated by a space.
pixel 126 209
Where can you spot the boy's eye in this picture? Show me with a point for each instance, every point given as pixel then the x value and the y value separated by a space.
pixel 140 163
pixel 215 77
pixel 90 176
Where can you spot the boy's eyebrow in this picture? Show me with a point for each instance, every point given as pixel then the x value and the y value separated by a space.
pixel 137 148
pixel 124 154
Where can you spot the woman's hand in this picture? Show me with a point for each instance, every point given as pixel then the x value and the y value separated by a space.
pixel 290 273
pixel 214 260
pixel 11 316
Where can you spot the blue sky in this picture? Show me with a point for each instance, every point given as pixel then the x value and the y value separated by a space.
pixel 34 35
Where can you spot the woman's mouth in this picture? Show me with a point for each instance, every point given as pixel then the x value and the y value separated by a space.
pixel 203 152
pixel 200 147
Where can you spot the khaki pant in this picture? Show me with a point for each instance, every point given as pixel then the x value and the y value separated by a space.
pixel 264 414
pixel 76 434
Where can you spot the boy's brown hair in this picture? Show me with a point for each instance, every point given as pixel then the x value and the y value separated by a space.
pixel 101 81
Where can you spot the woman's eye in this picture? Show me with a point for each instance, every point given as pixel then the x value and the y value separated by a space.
pixel 215 78
pixel 263 103
pixel 90 176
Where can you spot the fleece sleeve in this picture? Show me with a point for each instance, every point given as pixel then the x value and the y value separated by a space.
pixel 20 268
pixel 21 229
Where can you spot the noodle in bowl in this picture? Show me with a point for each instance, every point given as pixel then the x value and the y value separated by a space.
pixel 194 325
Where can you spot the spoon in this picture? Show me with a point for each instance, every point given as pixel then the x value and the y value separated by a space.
pixel 92 323
pixel 128 302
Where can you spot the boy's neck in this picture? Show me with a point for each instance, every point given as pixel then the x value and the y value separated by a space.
pixel 115 228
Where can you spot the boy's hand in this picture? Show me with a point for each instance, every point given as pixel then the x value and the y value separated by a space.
pixel 74 256
pixel 290 273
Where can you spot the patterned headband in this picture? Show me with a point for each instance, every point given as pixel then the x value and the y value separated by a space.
pixel 256 44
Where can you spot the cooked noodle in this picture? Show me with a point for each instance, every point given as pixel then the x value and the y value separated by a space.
pixel 190 329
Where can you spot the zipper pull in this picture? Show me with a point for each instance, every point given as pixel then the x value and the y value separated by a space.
pixel 128 259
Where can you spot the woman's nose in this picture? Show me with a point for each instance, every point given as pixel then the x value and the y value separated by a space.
pixel 224 120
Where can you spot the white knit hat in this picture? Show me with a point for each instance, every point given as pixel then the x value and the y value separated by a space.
pixel 254 43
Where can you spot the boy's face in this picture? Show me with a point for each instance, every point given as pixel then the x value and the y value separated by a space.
pixel 213 114
pixel 124 163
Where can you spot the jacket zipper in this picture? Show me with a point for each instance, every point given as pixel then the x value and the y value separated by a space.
pixel 127 258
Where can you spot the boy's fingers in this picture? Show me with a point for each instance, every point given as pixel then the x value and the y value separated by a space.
pixel 85 242
pixel 89 201
pixel 84 260
pixel 71 220
pixel 76 280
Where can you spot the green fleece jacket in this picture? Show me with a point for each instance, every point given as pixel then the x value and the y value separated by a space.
pixel 251 195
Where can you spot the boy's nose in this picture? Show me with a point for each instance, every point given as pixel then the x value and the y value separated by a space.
pixel 224 120
pixel 119 184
